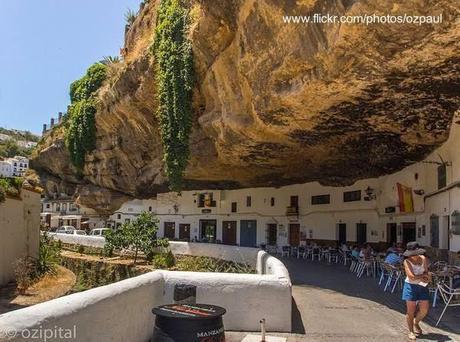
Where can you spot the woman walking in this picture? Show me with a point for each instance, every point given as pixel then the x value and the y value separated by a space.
pixel 415 291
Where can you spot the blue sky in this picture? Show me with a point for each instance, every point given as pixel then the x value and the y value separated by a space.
pixel 47 44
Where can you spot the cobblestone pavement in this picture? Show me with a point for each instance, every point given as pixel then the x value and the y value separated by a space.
pixel 331 304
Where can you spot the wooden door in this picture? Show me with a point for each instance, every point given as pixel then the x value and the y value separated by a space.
pixel 272 234
pixel 342 233
pixel 391 233
pixel 184 231
pixel 248 233
pixel 409 232
pixel 294 234
pixel 229 232
pixel 170 230
pixel 361 233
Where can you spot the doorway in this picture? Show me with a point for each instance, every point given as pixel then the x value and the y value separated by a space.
pixel 229 232
pixel 392 233
pixel 208 230
pixel 294 234
pixel 434 231
pixel 342 233
pixel 361 233
pixel 446 234
pixel 170 230
pixel 409 232
pixel 248 233
pixel 184 232
pixel 272 234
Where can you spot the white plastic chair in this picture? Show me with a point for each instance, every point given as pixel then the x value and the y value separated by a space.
pixel 449 296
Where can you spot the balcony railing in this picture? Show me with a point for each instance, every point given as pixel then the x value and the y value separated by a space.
pixel 292 211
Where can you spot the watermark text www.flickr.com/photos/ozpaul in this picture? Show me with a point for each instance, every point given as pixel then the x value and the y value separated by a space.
pixel 364 19
pixel 40 334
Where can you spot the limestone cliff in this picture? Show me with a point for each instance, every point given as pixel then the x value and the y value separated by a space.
pixel 276 103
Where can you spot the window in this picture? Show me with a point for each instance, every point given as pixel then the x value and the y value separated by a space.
pixel 442 176
pixel 234 207
pixel 294 201
pixel 272 201
pixel 47 206
pixel 119 216
pixel 352 196
pixel 206 200
pixel 248 201
pixel 150 208
pixel 320 199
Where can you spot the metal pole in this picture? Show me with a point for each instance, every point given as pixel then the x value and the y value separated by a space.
pixel 262 329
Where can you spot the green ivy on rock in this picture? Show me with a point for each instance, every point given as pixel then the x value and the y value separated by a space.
pixel 81 129
pixel 174 77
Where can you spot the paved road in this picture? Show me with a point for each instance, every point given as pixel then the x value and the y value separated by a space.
pixel 331 304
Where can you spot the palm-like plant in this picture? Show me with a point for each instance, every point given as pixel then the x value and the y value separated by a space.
pixel 130 16
pixel 109 60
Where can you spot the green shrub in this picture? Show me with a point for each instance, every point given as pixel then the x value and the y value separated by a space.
pixel 10 187
pixel 80 249
pixel 49 256
pixel 175 80
pixel 164 260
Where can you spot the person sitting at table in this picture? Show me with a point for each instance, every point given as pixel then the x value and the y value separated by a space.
pixel 392 248
pixel 344 247
pixel 393 258
pixel 355 252
pixel 366 252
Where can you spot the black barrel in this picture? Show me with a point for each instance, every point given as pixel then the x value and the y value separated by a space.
pixel 184 294
pixel 188 323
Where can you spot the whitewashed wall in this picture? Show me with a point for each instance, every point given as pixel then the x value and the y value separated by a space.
pixel 322 220
pixel 19 231
pixel 84 240
pixel 122 311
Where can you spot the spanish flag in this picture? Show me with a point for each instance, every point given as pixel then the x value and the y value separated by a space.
pixel 406 202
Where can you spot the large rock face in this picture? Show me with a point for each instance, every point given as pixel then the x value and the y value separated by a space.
pixel 279 103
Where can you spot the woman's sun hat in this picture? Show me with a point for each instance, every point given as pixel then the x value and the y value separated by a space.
pixel 413 249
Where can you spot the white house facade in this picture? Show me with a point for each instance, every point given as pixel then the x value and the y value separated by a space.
pixel 421 202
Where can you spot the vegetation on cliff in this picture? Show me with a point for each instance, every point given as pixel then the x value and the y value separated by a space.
pixel 174 76
pixel 81 130
pixel 10 187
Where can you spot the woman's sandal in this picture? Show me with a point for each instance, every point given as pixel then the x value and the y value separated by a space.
pixel 417 328
pixel 412 336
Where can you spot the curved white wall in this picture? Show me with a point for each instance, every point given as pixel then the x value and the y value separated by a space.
pixel 84 240
pixel 122 311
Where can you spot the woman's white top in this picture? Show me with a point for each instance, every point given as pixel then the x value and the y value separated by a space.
pixel 417 270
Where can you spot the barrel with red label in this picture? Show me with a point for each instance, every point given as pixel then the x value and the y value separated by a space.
pixel 188 323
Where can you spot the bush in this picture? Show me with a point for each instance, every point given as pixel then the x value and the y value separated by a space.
pixel 24 272
pixel 10 187
pixel 164 260
pixel 80 249
pixel 49 256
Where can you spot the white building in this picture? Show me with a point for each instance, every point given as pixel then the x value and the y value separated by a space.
pixel 18 166
pixel 371 210
pixel 26 144
pixel 65 212
pixel 6 169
